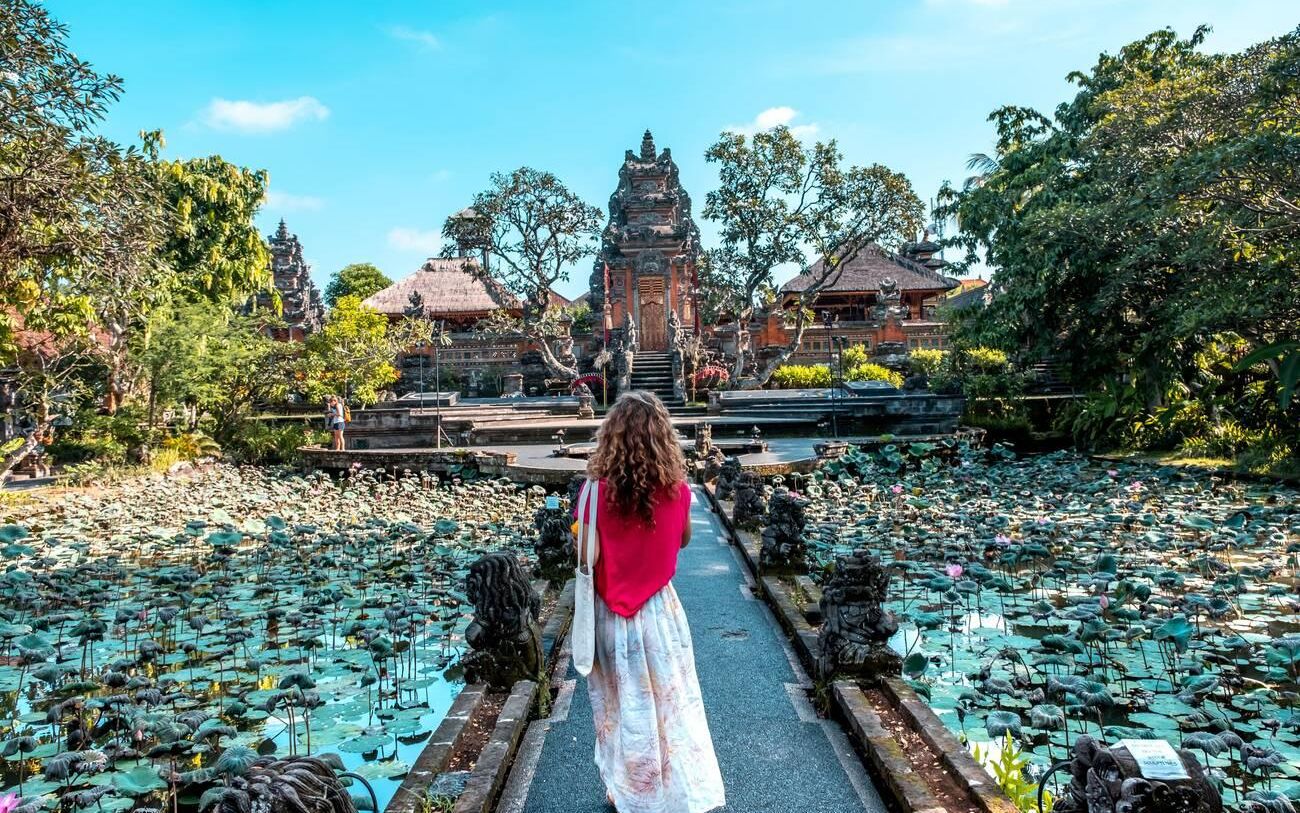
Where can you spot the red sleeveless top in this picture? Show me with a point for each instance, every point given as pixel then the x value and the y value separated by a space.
pixel 636 561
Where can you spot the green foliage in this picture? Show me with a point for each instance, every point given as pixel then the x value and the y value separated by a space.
pixel 801 376
pixel 855 355
pixel 775 198
pixel 1146 236
pixel 103 438
pixel 926 361
pixel 260 443
pixel 583 321
pixel 203 358
pixel 866 371
pixel 357 279
pixel 532 229
pixel 351 356
pixel 212 245
pixel 1008 766
pixel 191 446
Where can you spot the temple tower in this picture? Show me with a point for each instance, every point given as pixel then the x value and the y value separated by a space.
pixel 649 250
pixel 300 300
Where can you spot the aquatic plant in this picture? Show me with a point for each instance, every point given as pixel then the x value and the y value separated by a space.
pixel 1052 596
pixel 167 640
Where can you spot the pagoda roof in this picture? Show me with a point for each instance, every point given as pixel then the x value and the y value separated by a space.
pixel 864 273
pixel 975 297
pixel 448 287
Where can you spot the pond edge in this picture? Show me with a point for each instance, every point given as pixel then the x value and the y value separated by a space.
pixel 881 752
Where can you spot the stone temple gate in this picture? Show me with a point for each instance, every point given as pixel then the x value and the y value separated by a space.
pixel 646 268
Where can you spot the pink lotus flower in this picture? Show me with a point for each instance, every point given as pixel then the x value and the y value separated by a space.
pixel 8 802
pixel 1104 601
pixel 1134 487
pixel 897 488
pixel 954 571
pixel 1002 540
pixel 1112 472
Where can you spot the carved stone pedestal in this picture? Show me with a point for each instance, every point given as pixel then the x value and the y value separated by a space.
pixel 784 551
pixel 504 637
pixel 512 385
pixel 855 636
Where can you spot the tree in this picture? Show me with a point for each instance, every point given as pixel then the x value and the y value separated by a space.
pixel 212 245
pixel 1152 214
pixel 75 208
pixel 203 357
pixel 352 355
pixel 357 279
pixel 529 229
pixel 778 201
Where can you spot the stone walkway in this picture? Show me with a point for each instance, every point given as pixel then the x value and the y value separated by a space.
pixel 775 754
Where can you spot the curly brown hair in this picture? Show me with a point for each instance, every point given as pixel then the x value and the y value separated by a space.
pixel 637 454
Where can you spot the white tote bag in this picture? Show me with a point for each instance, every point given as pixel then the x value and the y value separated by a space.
pixel 583 634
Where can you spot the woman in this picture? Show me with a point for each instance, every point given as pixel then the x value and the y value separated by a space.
pixel 652 740
pixel 334 420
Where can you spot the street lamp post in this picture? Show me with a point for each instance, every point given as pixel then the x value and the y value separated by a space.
pixel 829 320
pixel 437 377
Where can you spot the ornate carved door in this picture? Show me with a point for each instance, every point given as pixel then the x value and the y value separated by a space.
pixel 653 321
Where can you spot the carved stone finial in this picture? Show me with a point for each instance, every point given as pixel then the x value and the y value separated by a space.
pixel 504 637
pixel 854 638
pixel 784 550
pixel 713 464
pixel 586 401
pixel 554 544
pixel 751 505
pixel 647 147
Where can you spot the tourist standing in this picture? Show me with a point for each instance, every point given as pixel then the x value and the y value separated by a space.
pixel 335 421
pixel 653 747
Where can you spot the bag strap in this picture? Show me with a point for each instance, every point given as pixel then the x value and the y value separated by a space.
pixel 592 494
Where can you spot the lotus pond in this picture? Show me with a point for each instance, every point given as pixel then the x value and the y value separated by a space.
pixel 1053 596
pixel 158 636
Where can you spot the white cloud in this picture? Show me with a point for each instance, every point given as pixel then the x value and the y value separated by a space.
pixel 286 202
pixel 425 39
pixel 775 117
pixel 263 117
pixel 408 239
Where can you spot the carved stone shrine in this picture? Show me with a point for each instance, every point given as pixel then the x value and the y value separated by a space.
pixel 784 551
pixel 857 628
pixel 727 478
pixel 302 309
pixel 504 637
pixel 750 508
pixel 646 267
pixel 554 544
pixel 1110 780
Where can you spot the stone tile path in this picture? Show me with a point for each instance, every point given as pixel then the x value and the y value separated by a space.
pixel 775 754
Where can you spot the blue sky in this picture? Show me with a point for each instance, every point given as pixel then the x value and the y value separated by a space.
pixel 376 120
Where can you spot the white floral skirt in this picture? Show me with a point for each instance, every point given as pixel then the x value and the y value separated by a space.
pixel 652 740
